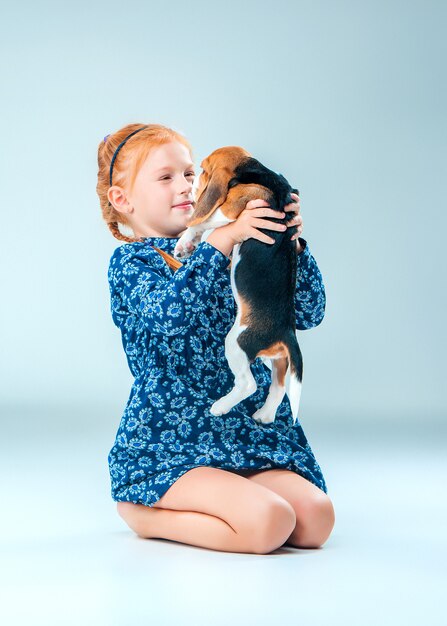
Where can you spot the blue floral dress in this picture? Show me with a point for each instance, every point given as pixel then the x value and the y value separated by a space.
pixel 173 326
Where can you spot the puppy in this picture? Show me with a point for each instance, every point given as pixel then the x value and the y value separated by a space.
pixel 263 278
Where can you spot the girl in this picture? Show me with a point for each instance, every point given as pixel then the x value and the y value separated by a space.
pixel 177 472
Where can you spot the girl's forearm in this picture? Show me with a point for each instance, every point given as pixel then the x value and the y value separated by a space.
pixel 221 240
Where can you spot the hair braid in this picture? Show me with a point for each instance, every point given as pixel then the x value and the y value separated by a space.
pixel 114 229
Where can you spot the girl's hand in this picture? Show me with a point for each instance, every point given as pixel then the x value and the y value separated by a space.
pixel 250 219
pixel 296 219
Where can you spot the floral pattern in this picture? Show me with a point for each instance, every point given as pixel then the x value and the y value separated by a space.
pixel 173 327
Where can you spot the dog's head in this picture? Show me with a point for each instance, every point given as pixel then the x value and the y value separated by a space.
pixel 217 170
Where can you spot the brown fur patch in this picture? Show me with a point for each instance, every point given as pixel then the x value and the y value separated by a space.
pixel 245 312
pixel 281 361
pixel 234 203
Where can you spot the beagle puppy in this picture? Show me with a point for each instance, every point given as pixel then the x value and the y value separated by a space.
pixel 263 278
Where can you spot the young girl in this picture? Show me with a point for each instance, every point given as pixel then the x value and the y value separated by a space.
pixel 178 472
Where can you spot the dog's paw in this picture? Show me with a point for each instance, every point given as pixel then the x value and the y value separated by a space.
pixel 219 407
pixel 262 416
pixel 187 243
pixel 183 250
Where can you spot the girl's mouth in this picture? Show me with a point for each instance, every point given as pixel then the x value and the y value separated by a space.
pixel 185 207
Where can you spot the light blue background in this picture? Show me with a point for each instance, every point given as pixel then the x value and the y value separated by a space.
pixel 346 99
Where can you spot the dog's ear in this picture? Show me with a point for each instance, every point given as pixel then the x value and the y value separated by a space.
pixel 212 196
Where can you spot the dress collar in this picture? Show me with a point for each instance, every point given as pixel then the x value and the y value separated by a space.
pixel 167 244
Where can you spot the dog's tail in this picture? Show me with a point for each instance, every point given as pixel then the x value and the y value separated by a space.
pixel 294 374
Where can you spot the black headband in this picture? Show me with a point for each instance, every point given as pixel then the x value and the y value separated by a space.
pixel 119 148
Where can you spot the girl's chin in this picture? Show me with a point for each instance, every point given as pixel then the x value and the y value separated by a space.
pixel 180 209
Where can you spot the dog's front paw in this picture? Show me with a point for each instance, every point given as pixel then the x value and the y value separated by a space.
pixel 186 245
pixel 183 250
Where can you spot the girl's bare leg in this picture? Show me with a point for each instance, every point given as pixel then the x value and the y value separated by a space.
pixel 315 516
pixel 216 509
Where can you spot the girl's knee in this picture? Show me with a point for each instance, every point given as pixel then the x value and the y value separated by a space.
pixel 126 509
pixel 136 517
pixel 273 526
pixel 314 522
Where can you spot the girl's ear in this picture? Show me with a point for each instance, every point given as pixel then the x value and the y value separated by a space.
pixel 211 197
pixel 118 199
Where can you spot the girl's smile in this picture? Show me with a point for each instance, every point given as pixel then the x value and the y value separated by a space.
pixel 184 206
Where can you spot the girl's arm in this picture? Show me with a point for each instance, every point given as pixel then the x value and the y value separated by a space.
pixel 310 296
pixel 165 306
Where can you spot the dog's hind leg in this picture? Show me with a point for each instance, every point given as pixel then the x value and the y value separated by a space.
pixel 244 383
pixel 266 413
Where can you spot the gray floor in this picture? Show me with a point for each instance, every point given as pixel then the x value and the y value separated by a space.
pixel 67 558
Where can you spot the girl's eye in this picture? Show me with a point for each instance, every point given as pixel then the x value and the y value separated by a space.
pixel 167 177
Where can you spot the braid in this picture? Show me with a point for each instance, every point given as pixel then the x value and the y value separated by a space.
pixel 170 260
pixel 113 226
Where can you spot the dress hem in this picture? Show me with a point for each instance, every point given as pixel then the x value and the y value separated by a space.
pixel 157 495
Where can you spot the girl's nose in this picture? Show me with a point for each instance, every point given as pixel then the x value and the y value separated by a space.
pixel 185 184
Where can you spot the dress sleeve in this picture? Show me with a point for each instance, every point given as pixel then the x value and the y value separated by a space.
pixel 310 296
pixel 164 306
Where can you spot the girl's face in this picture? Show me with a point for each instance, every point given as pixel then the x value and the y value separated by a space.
pixel 164 180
